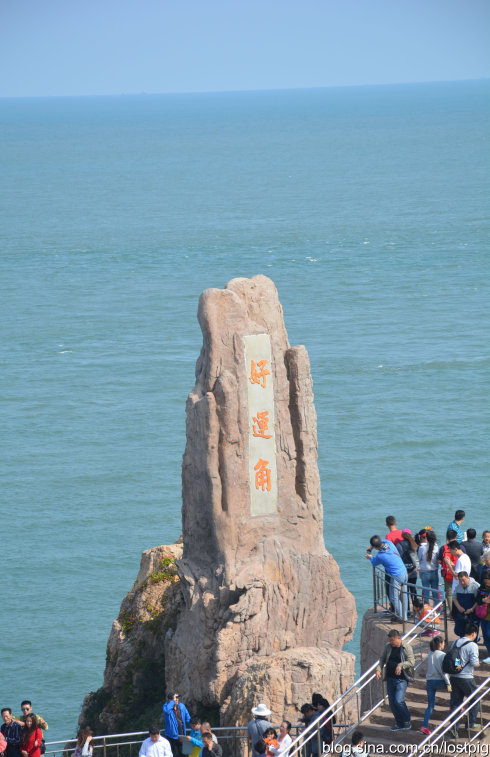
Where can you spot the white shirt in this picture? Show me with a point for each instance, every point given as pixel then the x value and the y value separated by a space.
pixel 464 563
pixel 160 748
pixel 283 746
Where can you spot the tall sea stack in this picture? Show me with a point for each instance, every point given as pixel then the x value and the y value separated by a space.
pixel 249 606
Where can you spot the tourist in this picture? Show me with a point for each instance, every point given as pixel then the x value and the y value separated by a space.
pixel 408 552
pixel 85 747
pixel 459 516
pixel 485 543
pixel 463 682
pixel 211 747
pixel 447 576
pixel 464 602
pixel 12 732
pixel 322 705
pixel 26 707
pixel 483 598
pixel 270 738
pixel 399 661
pixel 389 557
pixel 193 738
pixel 436 680
pixel 284 740
pixel 3 743
pixel 30 741
pixel 394 534
pixel 206 728
pixel 356 746
pixel 258 725
pixel 309 715
pixel 427 614
pixel 485 566
pixel 155 745
pixel 463 562
pixel 176 717
pixel 474 550
pixel 429 567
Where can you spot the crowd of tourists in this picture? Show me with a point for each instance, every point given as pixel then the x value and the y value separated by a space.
pixel 464 565
pixel 186 735
pixel 22 736
pixel 264 739
pixel 464 562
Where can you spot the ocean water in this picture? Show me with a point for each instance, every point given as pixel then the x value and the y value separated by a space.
pixel 368 207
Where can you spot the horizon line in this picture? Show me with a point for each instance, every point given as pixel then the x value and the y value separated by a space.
pixel 144 93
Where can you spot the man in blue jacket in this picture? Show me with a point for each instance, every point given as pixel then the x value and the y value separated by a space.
pixel 176 717
pixel 389 557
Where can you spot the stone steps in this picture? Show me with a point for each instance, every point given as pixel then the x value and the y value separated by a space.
pixel 384 739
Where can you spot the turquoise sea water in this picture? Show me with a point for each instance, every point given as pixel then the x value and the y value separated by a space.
pixel 366 206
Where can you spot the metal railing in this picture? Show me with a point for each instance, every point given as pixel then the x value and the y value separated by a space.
pixel 381 598
pixel 363 689
pixel 451 723
pixel 128 744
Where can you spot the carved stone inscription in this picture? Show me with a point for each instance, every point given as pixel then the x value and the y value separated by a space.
pixel 262 439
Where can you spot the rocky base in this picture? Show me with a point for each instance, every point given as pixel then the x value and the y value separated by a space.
pixel 133 691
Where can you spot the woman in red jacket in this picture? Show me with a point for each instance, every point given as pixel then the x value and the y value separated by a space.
pixel 30 742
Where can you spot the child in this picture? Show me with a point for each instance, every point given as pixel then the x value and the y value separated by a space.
pixel 270 738
pixel 426 613
pixel 194 737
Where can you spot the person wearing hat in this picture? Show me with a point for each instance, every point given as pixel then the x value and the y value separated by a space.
pixel 258 725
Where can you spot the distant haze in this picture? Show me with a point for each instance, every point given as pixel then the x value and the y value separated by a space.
pixel 70 47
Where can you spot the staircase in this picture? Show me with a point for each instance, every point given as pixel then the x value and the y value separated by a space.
pixel 376 728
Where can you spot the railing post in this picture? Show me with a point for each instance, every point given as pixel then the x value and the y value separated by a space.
pixel 404 608
pixel 445 621
pixel 319 739
pixel 375 597
pixel 105 747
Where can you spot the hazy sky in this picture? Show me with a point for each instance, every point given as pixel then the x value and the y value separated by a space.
pixel 58 47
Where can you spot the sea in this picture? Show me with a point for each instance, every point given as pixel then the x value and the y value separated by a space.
pixel 368 208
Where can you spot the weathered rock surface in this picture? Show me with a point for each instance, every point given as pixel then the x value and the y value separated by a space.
pixel 260 612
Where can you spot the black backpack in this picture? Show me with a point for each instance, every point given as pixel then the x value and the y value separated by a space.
pixel 448 661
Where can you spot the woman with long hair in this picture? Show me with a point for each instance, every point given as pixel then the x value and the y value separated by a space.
pixel 429 566
pixel 322 704
pixel 84 746
pixel 30 741
pixel 284 740
pixel 408 551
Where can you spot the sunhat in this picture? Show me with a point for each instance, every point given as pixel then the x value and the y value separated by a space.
pixel 261 710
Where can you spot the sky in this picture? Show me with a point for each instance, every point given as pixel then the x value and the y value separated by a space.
pixel 95 47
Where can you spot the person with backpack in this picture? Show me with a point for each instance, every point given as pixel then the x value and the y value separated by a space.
pixel 447 576
pixel 257 726
pixel 460 662
pixel 408 552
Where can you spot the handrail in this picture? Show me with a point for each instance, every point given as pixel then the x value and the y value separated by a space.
pixel 454 717
pixel 381 598
pixel 114 740
pixel 313 728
